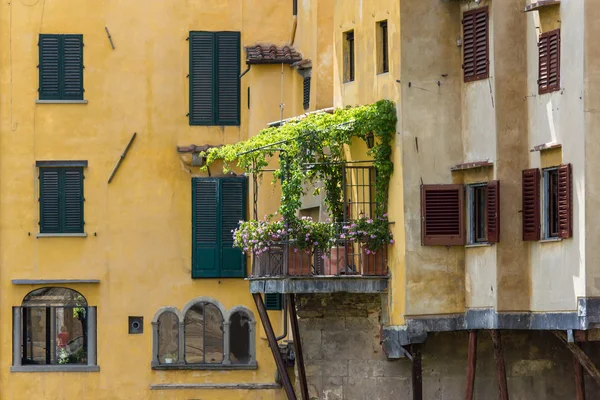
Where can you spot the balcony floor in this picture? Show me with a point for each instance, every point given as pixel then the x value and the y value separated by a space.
pixel 319 284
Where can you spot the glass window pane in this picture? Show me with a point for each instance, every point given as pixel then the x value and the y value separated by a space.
pixel 194 334
pixel 168 338
pixel 239 338
pixel 35 324
pixel 213 337
pixel 71 340
pixel 54 296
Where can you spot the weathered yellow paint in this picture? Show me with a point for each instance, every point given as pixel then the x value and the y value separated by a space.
pixel 551 157
pixel 139 226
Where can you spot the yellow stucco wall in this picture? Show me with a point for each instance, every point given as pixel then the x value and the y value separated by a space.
pixel 139 226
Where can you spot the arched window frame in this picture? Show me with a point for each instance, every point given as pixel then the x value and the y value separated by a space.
pixel 17 364
pixel 226 363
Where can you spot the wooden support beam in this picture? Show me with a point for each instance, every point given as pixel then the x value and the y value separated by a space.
pixel 417 373
pixel 579 382
pixel 264 318
pixel 298 347
pixel 500 367
pixel 471 364
pixel 580 355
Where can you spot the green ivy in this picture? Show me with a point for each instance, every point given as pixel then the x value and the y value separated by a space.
pixel 311 148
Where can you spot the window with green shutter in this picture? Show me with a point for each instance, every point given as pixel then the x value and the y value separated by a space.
pixel 218 204
pixel 61 200
pixel 214 78
pixel 61 67
pixel 273 301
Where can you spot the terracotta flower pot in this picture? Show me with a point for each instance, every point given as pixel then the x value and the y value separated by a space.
pixel 374 264
pixel 335 261
pixel 299 261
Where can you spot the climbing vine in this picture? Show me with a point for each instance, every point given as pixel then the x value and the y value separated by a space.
pixel 313 148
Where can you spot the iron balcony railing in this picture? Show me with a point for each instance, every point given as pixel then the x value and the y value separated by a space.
pixel 344 258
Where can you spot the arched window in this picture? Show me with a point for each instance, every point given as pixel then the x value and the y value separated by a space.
pixel 209 337
pixel 239 338
pixel 203 334
pixel 54 325
pixel 168 338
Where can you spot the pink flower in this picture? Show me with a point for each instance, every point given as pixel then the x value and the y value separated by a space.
pixel 295 250
pixel 392 241
pixel 368 251
pixel 372 236
pixel 342 236
pixel 315 243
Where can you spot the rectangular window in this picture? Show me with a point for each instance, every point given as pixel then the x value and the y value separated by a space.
pixel 61 199
pixel 359 193
pixel 349 56
pixel 549 62
pixel 218 204
pixel 382 48
pixel 550 203
pixel 477 200
pixel 558 201
pixel 273 301
pixel 214 78
pixel 61 67
pixel 476 44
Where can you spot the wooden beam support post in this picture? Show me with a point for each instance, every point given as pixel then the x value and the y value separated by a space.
pixel 471 364
pixel 298 346
pixel 579 381
pixel 580 355
pixel 500 367
pixel 417 373
pixel 264 318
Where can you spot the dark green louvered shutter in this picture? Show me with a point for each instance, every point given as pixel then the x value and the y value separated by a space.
pixel 61 200
pixel 50 65
pixel 273 301
pixel 233 209
pixel 49 200
pixel 61 67
pixel 205 228
pixel 72 67
pixel 72 195
pixel 228 78
pixel 202 64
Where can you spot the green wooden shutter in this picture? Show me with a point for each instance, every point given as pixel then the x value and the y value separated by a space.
pixel 233 209
pixel 273 301
pixel 202 64
pixel 49 200
pixel 228 78
pixel 50 61
pixel 72 196
pixel 205 228
pixel 72 67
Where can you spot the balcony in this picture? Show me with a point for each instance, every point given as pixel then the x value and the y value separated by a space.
pixel 344 268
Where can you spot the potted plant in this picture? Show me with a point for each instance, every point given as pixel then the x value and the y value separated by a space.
pixel 373 235
pixel 306 236
pixel 257 237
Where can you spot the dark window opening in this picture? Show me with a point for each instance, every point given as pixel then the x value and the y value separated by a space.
pixel 54 327
pixel 239 338
pixel 349 57
pixel 384 57
pixel 551 217
pixel 478 201
pixel 359 192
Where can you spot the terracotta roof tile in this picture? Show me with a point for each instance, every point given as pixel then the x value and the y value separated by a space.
pixel 271 54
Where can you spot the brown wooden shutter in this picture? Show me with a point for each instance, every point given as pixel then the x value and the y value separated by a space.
pixel 476 44
pixel 493 211
pixel 549 62
pixel 442 215
pixel 531 204
pixel 565 201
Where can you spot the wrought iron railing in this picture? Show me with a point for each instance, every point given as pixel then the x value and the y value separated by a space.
pixel 344 258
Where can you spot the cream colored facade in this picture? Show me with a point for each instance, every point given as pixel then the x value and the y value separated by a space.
pixel 138 243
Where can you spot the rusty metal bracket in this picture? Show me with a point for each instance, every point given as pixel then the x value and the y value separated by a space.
pixel 122 157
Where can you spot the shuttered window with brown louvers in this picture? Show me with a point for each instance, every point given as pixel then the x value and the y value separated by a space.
pixel 442 215
pixel 565 201
pixel 531 204
pixel 476 44
pixel 493 211
pixel 549 62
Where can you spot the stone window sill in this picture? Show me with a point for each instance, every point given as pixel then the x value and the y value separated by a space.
pixel 474 245
pixel 54 368
pixel 551 240
pixel 61 102
pixel 193 367
pixel 47 235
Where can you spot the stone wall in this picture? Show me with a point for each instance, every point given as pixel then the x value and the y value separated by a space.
pixel 344 360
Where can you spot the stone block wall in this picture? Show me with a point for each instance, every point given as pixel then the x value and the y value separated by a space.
pixel 344 359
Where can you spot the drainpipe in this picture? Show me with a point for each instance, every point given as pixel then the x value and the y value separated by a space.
pixel 285 324
pixel 294 21
pixel 246 71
